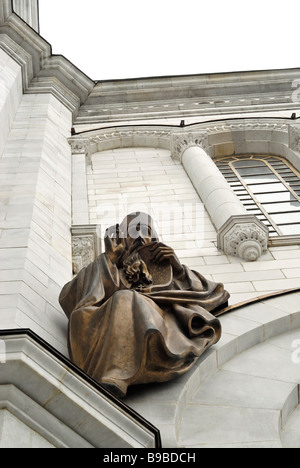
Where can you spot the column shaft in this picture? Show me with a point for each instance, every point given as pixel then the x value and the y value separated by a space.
pixel 239 233
pixel 217 196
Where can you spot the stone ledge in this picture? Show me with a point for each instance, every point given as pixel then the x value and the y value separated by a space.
pixel 31 414
pixel 64 400
pixel 187 96
pixel 152 98
pixel 42 71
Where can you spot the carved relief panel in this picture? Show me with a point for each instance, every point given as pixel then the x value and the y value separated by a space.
pixel 86 246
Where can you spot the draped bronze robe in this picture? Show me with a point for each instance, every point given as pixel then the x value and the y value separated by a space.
pixel 122 337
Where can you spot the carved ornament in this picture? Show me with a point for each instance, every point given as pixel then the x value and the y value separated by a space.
pixel 184 140
pixel 294 137
pixel 245 237
pixel 79 145
pixel 85 246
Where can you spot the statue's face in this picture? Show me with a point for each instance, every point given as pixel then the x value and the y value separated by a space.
pixel 137 229
pixel 138 234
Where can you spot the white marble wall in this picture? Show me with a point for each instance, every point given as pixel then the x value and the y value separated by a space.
pixel 10 94
pixel 15 434
pixel 35 218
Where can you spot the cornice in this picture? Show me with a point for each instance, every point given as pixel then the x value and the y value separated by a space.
pixel 144 98
pixel 42 72
pixel 188 96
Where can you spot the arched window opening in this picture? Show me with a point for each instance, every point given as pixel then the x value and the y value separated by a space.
pixel 268 187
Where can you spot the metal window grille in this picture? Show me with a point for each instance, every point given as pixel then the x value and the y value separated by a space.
pixel 268 187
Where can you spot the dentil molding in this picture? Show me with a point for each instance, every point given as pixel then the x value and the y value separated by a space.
pixel 42 72
pixel 205 135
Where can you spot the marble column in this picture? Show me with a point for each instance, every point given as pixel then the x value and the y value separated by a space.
pixel 239 233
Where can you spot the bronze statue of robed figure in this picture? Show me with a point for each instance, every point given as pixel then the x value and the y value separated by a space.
pixel 136 315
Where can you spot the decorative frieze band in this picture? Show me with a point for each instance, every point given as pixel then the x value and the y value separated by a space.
pixel 127 137
pixel 205 135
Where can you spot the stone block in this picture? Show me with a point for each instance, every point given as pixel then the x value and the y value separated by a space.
pixel 276 285
pixel 257 147
pixel 39 205
pixel 266 422
pixel 225 149
pixel 241 287
pixel 275 365
pixel 241 390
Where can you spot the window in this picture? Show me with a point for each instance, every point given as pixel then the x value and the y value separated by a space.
pixel 268 187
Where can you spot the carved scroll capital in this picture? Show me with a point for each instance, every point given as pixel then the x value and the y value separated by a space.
pixel 80 145
pixel 86 246
pixel 294 137
pixel 245 237
pixel 181 141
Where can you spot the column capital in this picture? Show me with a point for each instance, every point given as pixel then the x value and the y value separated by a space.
pixel 80 145
pixel 182 140
pixel 244 236
pixel 86 245
pixel 294 137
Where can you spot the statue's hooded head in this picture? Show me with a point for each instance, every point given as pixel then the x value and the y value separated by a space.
pixel 138 229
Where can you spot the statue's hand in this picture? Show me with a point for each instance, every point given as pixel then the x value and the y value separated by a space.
pixel 114 244
pixel 161 252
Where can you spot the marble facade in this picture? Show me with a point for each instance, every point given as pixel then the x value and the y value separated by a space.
pixel 136 152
